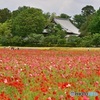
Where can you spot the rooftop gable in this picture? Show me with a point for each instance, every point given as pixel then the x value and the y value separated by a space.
pixel 67 25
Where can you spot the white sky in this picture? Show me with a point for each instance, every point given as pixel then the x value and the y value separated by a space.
pixel 70 7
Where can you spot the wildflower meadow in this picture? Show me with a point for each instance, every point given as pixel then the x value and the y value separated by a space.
pixel 36 74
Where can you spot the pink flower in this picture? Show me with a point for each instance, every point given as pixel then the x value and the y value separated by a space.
pixel 5 81
pixel 85 98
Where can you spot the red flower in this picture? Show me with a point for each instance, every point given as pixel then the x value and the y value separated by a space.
pixel 4 96
pixel 36 98
pixel 54 92
pixel 97 98
pixel 98 73
pixel 64 85
pixel 44 89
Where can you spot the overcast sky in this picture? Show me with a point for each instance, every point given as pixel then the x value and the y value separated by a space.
pixel 70 7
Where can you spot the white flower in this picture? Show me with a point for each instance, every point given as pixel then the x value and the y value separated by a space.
pixel 68 85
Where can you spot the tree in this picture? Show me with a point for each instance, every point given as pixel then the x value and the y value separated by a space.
pixel 5 32
pixel 16 41
pixel 5 14
pixel 20 9
pixel 61 42
pixel 5 29
pixel 47 15
pixel 78 20
pixel 53 15
pixel 35 39
pixel 86 41
pixel 84 29
pixel 73 41
pixel 64 16
pixel 94 26
pixel 91 25
pixel 29 20
pixel 51 40
pixel 87 10
pixel 96 39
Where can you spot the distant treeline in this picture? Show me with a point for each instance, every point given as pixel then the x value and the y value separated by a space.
pixel 24 27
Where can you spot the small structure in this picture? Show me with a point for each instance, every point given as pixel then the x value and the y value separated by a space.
pixel 66 25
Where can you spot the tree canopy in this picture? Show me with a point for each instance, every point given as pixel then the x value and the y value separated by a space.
pixel 80 19
pixel 94 26
pixel 29 20
pixel 5 14
pixel 87 10
pixel 24 27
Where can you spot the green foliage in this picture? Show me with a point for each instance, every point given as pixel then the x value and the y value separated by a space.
pixel 81 19
pixel 56 36
pixel 5 14
pixel 53 15
pixel 61 42
pixel 20 9
pixel 94 26
pixel 87 10
pixel 33 40
pixel 73 41
pixel 16 40
pixel 91 40
pixel 5 33
pixel 51 40
pixel 96 40
pixel 5 29
pixel 84 29
pixel 64 16
pixel 24 27
pixel 28 21
pixel 91 25
pixel 86 41
pixel 50 28
pixel 78 20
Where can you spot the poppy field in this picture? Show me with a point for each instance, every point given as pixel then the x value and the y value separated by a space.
pixel 34 74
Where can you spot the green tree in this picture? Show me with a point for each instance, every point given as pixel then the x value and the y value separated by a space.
pixel 61 42
pixel 4 41
pixel 36 38
pixel 5 14
pixel 5 29
pixel 84 29
pixel 73 41
pixel 87 10
pixel 30 20
pixel 91 25
pixel 47 15
pixel 78 20
pixel 64 16
pixel 94 26
pixel 51 40
pixel 16 41
pixel 86 41
pixel 96 40
pixel 20 9
pixel 53 15
pixel 5 32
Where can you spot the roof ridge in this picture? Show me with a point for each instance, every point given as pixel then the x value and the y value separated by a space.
pixel 62 18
